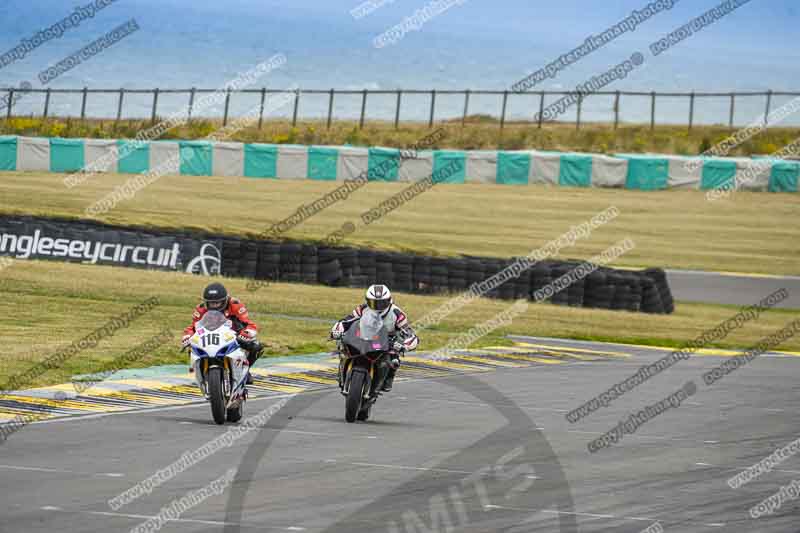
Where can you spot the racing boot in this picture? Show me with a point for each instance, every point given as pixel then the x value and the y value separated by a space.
pixel 394 364
pixel 252 356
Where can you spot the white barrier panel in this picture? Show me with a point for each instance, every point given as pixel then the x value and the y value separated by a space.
pixel 227 159
pixel 609 171
pixel 352 162
pixel 164 157
pixel 682 175
pixel 545 168
pixel 756 179
pixel 416 169
pixel 292 162
pixel 481 167
pixel 101 152
pixel 33 153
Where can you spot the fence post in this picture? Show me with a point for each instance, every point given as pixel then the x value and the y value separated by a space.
pixel 433 104
pixel 466 108
pixel 652 111
pixel 296 106
pixel 503 113
pixel 10 103
pixel 397 110
pixel 330 109
pixel 363 109
pixel 733 110
pixel 119 105
pixel 46 103
pixel 155 105
pixel 578 115
pixel 261 110
pixel 227 106
pixel 766 111
pixel 541 108
pixel 191 105
pixel 616 110
pixel 691 110
pixel 83 103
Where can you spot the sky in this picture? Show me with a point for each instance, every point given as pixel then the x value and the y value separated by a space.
pixel 477 44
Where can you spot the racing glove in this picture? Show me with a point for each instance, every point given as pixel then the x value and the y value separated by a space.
pixel 246 336
pixel 337 331
pixel 186 340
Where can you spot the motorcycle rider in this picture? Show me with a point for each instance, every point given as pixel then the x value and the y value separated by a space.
pixel 216 298
pixel 403 338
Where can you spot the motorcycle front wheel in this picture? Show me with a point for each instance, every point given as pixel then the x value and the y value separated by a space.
pixel 355 395
pixel 216 397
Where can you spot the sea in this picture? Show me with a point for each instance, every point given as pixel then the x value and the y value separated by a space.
pixel 447 45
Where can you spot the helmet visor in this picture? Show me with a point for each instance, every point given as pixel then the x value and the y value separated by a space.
pixel 378 305
pixel 216 305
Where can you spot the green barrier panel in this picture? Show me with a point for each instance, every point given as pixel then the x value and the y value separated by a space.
pixel 66 155
pixel 260 161
pixel 449 166
pixel 322 163
pixel 513 169
pixel 196 158
pixel 134 158
pixel 8 153
pixel 718 174
pixel 576 171
pixel 383 164
pixel 647 174
pixel 784 176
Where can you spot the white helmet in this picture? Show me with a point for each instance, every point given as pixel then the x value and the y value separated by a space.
pixel 379 298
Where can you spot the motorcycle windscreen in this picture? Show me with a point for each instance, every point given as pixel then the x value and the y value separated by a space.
pixel 212 320
pixel 370 324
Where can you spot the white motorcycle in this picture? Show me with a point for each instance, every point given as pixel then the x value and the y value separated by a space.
pixel 220 366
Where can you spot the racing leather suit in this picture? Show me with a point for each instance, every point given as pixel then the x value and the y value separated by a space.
pixel 236 312
pixel 396 323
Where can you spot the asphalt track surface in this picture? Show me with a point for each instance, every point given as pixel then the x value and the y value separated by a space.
pixel 483 451
pixel 733 289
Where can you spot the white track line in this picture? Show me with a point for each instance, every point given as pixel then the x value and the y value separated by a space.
pixel 181 520
pixel 60 471
pixel 743 468
pixel 401 467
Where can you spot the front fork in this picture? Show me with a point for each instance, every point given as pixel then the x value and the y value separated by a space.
pixel 377 374
pixel 201 371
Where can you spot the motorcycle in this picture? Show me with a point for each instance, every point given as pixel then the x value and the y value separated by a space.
pixel 220 366
pixel 364 354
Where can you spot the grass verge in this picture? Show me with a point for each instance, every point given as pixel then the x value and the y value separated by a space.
pixel 56 303
pixel 748 232
pixel 479 132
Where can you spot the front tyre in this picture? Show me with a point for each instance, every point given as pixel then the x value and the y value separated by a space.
pixel 215 395
pixel 355 395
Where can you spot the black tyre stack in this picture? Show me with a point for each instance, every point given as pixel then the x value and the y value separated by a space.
pixel 597 290
pixel 439 274
pixel 540 276
pixel 403 269
pixel 384 269
pixel 603 288
pixel 422 275
pixel 561 295
pixel 269 261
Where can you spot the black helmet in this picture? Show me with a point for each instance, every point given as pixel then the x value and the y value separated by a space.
pixel 215 296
